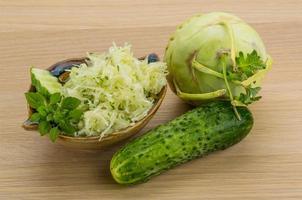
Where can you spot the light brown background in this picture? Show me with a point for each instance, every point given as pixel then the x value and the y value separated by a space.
pixel 266 165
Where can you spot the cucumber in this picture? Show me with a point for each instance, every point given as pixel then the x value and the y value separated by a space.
pixel 44 81
pixel 205 129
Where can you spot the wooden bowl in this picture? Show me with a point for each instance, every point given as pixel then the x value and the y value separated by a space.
pixel 94 142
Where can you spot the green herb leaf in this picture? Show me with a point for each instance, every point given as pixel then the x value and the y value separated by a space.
pixel 61 115
pixel 55 98
pixel 70 103
pixel 67 128
pixel 35 99
pixel 35 117
pixel 53 134
pixel 49 117
pixel 52 107
pixel 75 114
pixel 58 117
pixel 42 111
pixel 44 127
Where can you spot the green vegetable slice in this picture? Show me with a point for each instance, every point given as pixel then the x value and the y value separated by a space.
pixel 44 82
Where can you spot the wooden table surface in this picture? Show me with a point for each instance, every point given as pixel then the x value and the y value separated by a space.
pixel 266 165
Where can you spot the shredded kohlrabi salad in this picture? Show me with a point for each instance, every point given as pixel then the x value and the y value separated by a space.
pixel 115 88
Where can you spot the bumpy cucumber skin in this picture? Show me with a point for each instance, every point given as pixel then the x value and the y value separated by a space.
pixel 205 129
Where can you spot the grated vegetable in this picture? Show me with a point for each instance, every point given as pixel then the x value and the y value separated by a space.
pixel 115 88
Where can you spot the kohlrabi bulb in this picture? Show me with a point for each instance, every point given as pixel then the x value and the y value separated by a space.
pixel 216 55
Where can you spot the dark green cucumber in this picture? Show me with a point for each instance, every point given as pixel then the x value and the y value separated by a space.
pixel 205 129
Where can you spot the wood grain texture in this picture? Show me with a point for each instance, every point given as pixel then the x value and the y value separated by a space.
pixel 266 165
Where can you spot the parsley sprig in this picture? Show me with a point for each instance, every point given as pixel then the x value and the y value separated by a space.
pixel 54 113
pixel 250 96
pixel 247 66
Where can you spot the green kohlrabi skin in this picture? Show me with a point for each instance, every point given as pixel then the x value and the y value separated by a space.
pixel 205 37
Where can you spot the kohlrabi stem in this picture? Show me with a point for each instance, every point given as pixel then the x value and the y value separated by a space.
pixel 201 96
pixel 231 36
pixel 223 64
pixel 200 67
